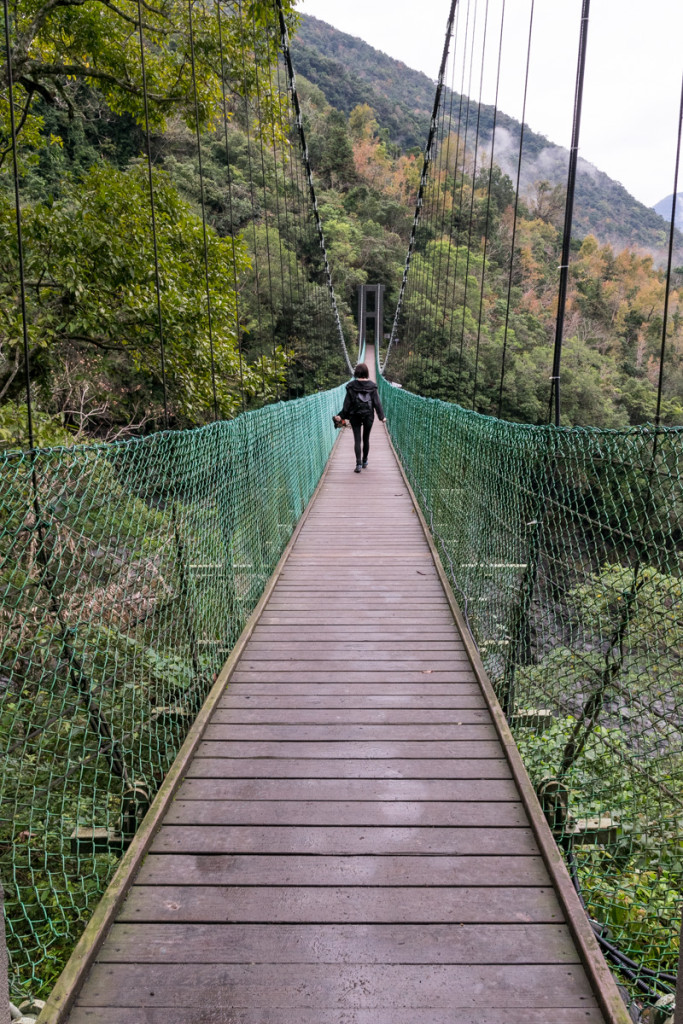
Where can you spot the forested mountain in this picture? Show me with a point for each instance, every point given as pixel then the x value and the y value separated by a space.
pixel 350 72
pixel 92 307
pixel 663 208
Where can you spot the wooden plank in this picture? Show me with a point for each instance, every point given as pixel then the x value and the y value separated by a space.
pixel 424 687
pixel 355 986
pixel 360 635
pixel 339 841
pixel 473 750
pixel 349 617
pixel 229 1015
pixel 347 732
pixel 371 677
pixel 334 905
pixel 473 790
pixel 346 812
pixel 329 702
pixel 339 944
pixel 377 648
pixel 252 715
pixel 281 870
pixel 348 768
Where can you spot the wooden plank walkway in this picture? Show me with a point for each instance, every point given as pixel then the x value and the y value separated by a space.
pixel 349 845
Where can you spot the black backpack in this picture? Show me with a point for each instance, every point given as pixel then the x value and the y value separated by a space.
pixel 361 404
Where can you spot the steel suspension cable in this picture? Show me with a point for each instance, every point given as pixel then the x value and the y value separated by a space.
pixel 18 222
pixel 284 33
pixel 264 188
pixel 515 212
pixel 669 261
pixel 455 166
pixel 488 207
pixel 464 158
pixel 474 182
pixel 569 211
pixel 444 168
pixel 423 178
pixel 190 5
pixel 152 207
pixel 238 332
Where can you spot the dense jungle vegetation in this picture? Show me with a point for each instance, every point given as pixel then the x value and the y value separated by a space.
pixel 89 256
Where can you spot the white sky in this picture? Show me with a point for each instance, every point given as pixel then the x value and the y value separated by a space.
pixel 633 72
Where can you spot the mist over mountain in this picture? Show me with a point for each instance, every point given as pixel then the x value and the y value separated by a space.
pixel 350 72
pixel 663 208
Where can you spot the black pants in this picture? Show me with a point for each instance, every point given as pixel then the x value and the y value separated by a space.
pixel 358 424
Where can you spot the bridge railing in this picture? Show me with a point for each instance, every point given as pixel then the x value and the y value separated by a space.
pixel 127 572
pixel 564 549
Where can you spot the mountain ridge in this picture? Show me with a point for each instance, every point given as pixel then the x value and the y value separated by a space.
pixel 349 72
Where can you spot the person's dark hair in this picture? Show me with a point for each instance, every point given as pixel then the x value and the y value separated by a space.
pixel 361 371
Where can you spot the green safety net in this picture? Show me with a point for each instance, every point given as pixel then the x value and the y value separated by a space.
pixel 127 573
pixel 564 548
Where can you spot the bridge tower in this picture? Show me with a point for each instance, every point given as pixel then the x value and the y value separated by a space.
pixel 370 313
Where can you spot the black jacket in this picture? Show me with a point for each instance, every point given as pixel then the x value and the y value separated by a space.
pixel 370 388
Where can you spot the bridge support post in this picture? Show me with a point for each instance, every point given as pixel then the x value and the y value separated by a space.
pixel 678 1013
pixel 4 976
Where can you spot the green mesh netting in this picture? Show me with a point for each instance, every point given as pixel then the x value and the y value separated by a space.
pixel 127 572
pixel 564 549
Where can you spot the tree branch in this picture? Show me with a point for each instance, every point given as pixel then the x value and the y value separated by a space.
pixel 15 371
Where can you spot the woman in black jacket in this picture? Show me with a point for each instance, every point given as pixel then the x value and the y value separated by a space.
pixel 362 398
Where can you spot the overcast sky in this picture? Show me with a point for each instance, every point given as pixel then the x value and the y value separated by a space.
pixel 633 71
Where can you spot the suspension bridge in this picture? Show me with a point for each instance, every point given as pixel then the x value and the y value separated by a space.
pixel 288 743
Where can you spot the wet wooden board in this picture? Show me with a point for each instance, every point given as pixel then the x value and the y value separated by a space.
pixel 349 768
pixel 425 687
pixel 348 845
pixel 340 944
pixel 226 1014
pixel 346 841
pixel 339 812
pixel 382 790
pixel 356 986
pixel 367 703
pixel 349 733
pixel 474 749
pixel 335 904
pixel 230 869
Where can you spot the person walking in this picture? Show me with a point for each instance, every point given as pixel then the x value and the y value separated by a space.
pixel 360 404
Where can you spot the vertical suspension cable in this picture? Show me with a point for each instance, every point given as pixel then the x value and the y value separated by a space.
pixel 157 277
pixel 488 208
pixel 309 176
pixel 474 180
pixel 442 192
pixel 238 332
pixel 20 241
pixel 569 211
pixel 423 178
pixel 672 231
pixel 514 215
pixel 245 88
pixel 464 157
pixel 444 307
pixel 265 190
pixel 273 80
pixel 190 4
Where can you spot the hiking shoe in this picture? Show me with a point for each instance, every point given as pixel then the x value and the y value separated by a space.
pixel 357 469
pixel 364 464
